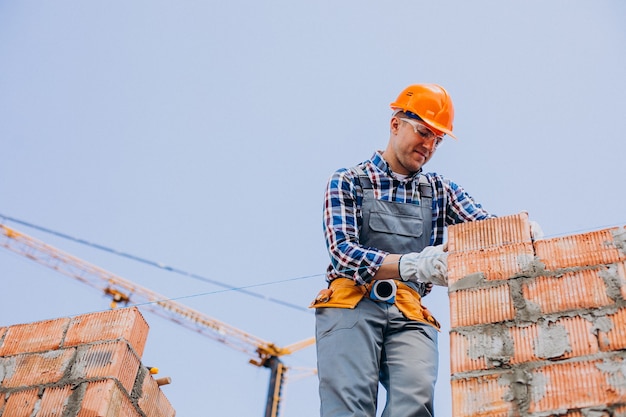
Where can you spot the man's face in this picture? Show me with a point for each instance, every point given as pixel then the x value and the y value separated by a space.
pixel 411 145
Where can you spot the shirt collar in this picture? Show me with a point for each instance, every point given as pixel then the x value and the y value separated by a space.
pixel 381 164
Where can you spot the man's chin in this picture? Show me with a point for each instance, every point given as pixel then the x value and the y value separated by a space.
pixel 417 165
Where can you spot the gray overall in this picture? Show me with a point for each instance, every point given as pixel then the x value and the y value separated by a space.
pixel 397 227
pixel 358 348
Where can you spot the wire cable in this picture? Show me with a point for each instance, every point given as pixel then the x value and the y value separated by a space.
pixel 226 287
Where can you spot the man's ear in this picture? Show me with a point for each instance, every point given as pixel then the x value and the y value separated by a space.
pixel 394 124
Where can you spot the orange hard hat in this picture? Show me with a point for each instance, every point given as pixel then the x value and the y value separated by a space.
pixel 431 103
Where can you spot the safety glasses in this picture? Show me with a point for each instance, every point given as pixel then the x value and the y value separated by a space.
pixel 424 131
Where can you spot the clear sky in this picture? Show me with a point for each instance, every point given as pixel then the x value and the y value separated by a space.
pixel 201 134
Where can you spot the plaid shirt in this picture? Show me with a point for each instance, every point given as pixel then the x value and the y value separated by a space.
pixel 342 214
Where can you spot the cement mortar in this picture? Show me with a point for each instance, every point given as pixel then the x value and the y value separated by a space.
pixel 468 282
pixel 75 400
pixel 538 386
pixel 552 341
pixel 531 267
pixel 519 382
pixel 526 311
pixel 613 281
pixel 137 391
pixel 619 239
pixel 499 349
pixel 601 324
pixel 7 367
pixel 616 370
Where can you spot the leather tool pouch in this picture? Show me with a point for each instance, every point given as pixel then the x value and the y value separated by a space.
pixel 342 293
pixel 409 302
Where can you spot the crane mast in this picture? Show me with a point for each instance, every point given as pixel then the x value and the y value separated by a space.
pixel 263 353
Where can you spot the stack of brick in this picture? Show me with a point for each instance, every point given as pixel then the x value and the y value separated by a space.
pixel 84 366
pixel 538 328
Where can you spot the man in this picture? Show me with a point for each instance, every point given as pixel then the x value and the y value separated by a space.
pixel 384 222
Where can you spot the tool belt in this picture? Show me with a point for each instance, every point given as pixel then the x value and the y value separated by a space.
pixel 344 293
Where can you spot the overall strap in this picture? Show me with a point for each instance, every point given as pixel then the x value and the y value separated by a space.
pixel 363 180
pixel 423 187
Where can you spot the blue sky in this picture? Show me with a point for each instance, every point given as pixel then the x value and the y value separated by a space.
pixel 201 135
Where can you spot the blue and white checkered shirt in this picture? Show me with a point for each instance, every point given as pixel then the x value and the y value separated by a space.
pixel 342 215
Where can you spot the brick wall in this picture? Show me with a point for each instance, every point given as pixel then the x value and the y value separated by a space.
pixel 84 366
pixel 537 328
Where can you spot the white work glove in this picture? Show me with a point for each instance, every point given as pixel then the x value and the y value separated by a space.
pixel 429 265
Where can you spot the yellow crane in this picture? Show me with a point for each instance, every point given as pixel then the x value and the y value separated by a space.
pixel 263 353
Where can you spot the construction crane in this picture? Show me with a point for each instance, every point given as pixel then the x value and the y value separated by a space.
pixel 265 354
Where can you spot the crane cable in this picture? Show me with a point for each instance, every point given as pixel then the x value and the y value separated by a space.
pixel 168 268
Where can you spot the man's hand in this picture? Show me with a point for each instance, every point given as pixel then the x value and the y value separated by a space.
pixel 429 266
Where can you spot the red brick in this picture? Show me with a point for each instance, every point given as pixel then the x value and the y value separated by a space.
pixel 126 323
pixel 574 385
pixel 565 347
pixel 480 306
pixel 97 361
pixel 106 399
pixel 613 336
pixel 33 337
pixel 551 390
pixel 36 368
pixel 495 346
pixel 495 263
pixel 54 401
pixel 21 403
pixel 490 233
pixel 152 401
pixel 481 397
pixel 461 357
pixel 587 249
pixel 571 291
pixel 107 360
pixel 535 342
